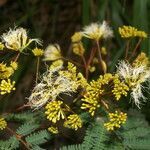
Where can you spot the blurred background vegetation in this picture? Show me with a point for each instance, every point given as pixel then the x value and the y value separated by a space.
pixel 55 21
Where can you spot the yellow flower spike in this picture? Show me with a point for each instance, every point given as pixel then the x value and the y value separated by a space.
pixel 128 32
pixel 73 122
pixel 1 46
pixel 52 52
pixel 37 52
pixel 6 86
pixel 94 90
pixel 5 72
pixel 54 111
pixel 115 120
pixel 78 49
pixel 76 37
pixel 14 65
pixel 53 130
pixel 120 88
pixel 3 123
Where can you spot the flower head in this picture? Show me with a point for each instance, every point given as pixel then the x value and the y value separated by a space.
pixel 120 88
pixel 134 77
pixel 73 122
pixel 7 71
pixel 97 31
pixel 6 86
pixel 52 52
pixel 53 130
pixel 78 49
pixel 94 91
pixel 3 123
pixel 116 119
pixel 17 39
pixel 51 85
pixel 128 32
pixel 37 52
pixel 54 111
pixel 76 37
pixel 14 65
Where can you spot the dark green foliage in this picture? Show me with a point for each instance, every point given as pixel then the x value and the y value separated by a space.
pixel 134 135
pixel 37 148
pixel 11 144
pixel 21 117
pixel 38 138
pixel 27 128
pixel 95 137
pixel 136 132
pixel 73 147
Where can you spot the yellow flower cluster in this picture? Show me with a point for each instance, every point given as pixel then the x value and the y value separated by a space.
pixel 78 48
pixel 120 88
pixel 37 52
pixel 53 130
pixel 6 86
pixel 14 65
pixel 73 122
pixel 1 46
pixel 54 111
pixel 77 37
pixel 141 59
pixel 128 31
pixel 3 124
pixel 56 65
pixel 91 100
pixel 5 72
pixel 77 45
pixel 116 119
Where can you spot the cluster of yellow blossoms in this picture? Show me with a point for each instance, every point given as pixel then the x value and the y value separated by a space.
pixel 128 32
pixel 37 52
pixel 120 88
pixel 77 45
pixel 55 111
pixel 73 122
pixel 53 130
pixel 116 119
pixel 3 123
pixel 6 86
pixel 92 97
pixel 96 90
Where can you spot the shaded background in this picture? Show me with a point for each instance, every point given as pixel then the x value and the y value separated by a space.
pixel 54 21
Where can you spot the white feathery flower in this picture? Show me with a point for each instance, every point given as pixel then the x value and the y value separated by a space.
pixel 17 39
pixel 51 85
pixel 52 52
pixel 97 31
pixel 134 77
